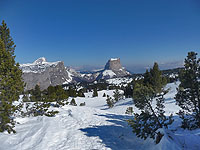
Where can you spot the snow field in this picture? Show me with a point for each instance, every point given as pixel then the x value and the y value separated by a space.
pixel 94 126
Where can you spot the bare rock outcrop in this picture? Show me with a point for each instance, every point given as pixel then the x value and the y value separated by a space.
pixel 44 74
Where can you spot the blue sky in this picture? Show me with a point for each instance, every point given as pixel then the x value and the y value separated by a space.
pixel 89 32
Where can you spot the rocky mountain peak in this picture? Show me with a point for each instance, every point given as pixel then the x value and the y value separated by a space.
pixel 40 61
pixel 113 68
pixel 113 64
pixel 44 74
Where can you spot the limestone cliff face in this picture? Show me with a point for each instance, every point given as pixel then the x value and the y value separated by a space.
pixel 113 68
pixel 44 74
pixel 114 65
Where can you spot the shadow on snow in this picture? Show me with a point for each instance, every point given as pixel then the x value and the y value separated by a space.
pixel 117 136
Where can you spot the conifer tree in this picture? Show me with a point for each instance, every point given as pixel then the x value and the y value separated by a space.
pixel 147 78
pixel 154 78
pixel 6 38
pixel 95 93
pixel 116 95
pixel 109 102
pixel 36 94
pixel 104 94
pixel 188 95
pixel 73 102
pixel 147 123
pixel 11 84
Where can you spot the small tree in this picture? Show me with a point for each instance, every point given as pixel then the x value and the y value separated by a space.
pixel 188 95
pixel 36 94
pixel 95 93
pixel 154 78
pixel 147 123
pixel 104 94
pixel 73 102
pixel 116 95
pixel 109 102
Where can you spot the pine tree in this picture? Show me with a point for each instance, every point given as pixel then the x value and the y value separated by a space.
pixel 154 78
pixel 150 119
pixel 73 102
pixel 104 94
pixel 116 95
pixel 6 38
pixel 109 102
pixel 36 94
pixel 147 78
pixel 11 85
pixel 188 95
pixel 61 96
pixel 95 93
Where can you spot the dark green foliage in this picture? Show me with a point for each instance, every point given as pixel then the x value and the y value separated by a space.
pixel 82 104
pixel 7 39
pixel 52 96
pixel 188 95
pixel 38 109
pixel 117 96
pixel 26 97
pixel 56 94
pixel 95 93
pixel 11 85
pixel 72 92
pixel 128 90
pixel 80 93
pixel 73 102
pixel 36 94
pixel 154 78
pixel 109 102
pixel 104 94
pixel 147 123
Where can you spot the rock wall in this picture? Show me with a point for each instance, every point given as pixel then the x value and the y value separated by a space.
pixel 51 74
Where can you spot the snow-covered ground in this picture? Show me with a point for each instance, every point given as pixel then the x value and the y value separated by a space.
pixel 95 127
pixel 120 81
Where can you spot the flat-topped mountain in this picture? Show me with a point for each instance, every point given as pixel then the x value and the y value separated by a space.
pixel 113 68
pixel 44 73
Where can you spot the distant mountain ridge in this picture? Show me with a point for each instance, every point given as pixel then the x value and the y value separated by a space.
pixel 44 73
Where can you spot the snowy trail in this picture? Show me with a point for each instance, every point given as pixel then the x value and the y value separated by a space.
pixel 78 128
pixel 95 127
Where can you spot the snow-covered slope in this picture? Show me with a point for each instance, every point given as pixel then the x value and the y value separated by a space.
pixel 120 81
pixel 94 126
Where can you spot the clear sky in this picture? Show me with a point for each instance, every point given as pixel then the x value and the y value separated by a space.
pixel 89 32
